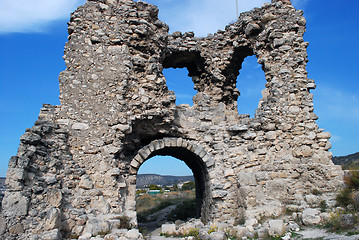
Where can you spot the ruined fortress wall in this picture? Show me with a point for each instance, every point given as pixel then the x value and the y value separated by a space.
pixel 76 168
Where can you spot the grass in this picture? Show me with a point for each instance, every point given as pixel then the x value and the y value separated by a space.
pixel 147 205
pixel 184 210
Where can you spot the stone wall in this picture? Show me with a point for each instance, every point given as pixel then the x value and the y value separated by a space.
pixel 75 171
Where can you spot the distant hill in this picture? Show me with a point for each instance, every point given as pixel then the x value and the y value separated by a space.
pixel 345 160
pixel 147 179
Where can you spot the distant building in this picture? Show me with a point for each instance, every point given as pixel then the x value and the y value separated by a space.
pixel 152 192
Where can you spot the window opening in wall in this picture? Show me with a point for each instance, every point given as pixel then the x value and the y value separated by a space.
pixel 250 83
pixel 165 191
pixel 178 81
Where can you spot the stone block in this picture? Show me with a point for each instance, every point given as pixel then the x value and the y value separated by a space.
pixel 95 226
pixel 247 179
pixel 217 236
pixel 30 138
pixel 311 216
pixel 85 182
pixel 2 225
pixel 80 126
pixel 239 231
pixel 15 204
pixel 276 227
pixel 312 200
pixel 100 204
pixel 251 222
pixel 134 234
pixel 53 219
pixel 16 229
pixel 324 135
pixel 168 229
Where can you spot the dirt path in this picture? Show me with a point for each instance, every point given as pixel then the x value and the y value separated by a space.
pixel 157 219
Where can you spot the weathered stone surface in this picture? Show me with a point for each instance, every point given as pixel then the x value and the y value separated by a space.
pixel 82 157
pixel 16 229
pixel 134 234
pixel 54 198
pixel 85 182
pixel 168 229
pixel 347 220
pixel 2 225
pixel 51 235
pixel 95 226
pixel 239 231
pixel 80 126
pixel 53 219
pixel 217 236
pixel 311 216
pixel 15 205
pixel 276 227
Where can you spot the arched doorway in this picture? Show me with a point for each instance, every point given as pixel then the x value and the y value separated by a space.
pixel 194 156
pixel 165 192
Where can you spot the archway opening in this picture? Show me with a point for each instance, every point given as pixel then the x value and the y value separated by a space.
pixel 194 156
pixel 179 81
pixel 182 69
pixel 165 192
pixel 250 82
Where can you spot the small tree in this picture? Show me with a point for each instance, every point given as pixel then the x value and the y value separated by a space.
pixel 175 188
pixel 154 187
pixel 188 186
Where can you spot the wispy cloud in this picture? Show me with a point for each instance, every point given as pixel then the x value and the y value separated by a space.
pixel 202 16
pixel 337 104
pixel 33 15
pixel 206 16
pixel 300 4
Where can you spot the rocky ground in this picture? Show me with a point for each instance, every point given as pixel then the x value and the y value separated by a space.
pixel 220 232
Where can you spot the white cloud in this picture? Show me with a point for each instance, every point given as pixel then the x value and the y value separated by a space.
pixel 335 139
pixel 33 15
pixel 206 16
pixel 337 104
pixel 300 4
pixel 203 16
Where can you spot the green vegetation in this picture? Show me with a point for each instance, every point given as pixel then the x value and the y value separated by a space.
pixel 184 210
pixel 188 186
pixel 323 206
pixel 193 232
pixel 346 218
pixel 346 197
pixel 147 205
pixel 316 192
pixel 154 187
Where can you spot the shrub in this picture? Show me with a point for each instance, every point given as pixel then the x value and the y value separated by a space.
pixel 339 221
pixel 323 206
pixel 352 179
pixel 188 186
pixel 184 210
pixel 154 187
pixel 345 197
pixel 316 192
pixel 124 223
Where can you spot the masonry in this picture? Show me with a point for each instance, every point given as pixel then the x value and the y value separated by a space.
pixel 75 170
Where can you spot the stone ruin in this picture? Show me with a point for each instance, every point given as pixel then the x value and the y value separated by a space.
pixel 75 170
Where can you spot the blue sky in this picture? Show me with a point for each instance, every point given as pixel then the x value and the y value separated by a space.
pixel 33 34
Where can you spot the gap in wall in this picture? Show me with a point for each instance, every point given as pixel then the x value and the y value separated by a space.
pixel 177 80
pixel 250 82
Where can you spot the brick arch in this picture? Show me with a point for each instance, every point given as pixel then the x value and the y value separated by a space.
pixel 195 157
